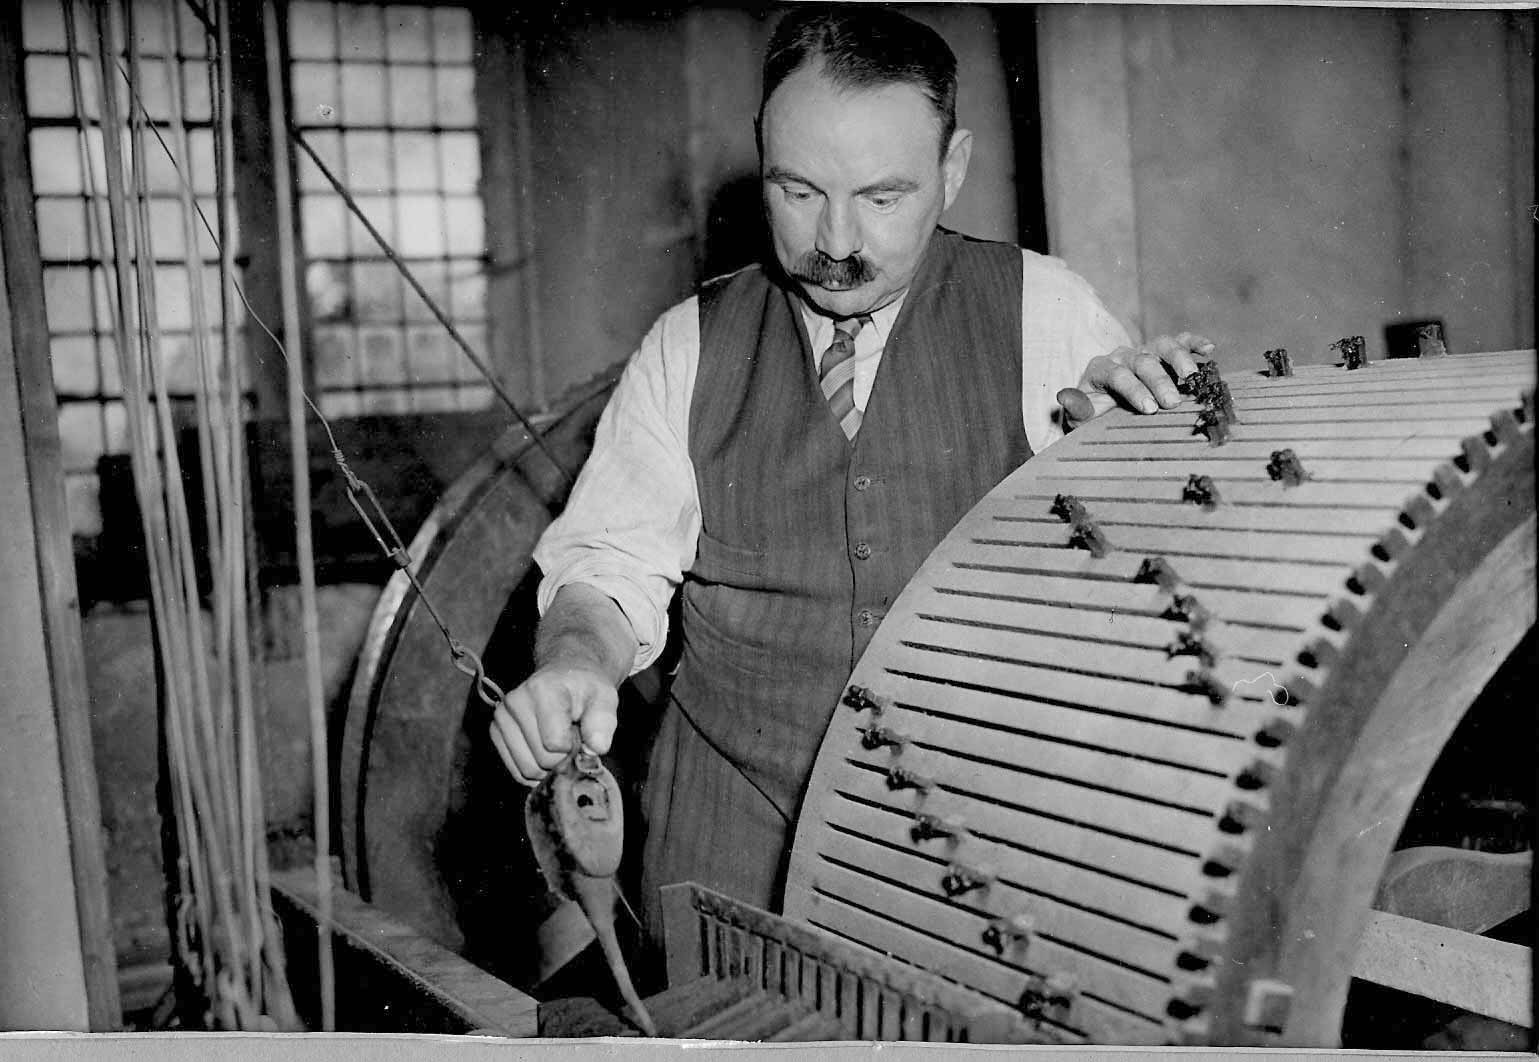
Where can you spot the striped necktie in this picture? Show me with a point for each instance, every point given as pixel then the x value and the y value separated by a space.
pixel 837 374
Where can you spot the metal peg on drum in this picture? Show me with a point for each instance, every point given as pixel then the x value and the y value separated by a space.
pixel 1049 997
pixel 1009 933
pixel 1279 362
pixel 1200 490
pixel 876 736
pixel 1192 643
pixel 1158 570
pixel 901 777
pixel 928 827
pixel 960 879
pixel 1354 351
pixel 1185 608
pixel 1286 466
pixel 862 699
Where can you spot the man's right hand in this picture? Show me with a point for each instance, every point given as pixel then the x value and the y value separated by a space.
pixel 532 728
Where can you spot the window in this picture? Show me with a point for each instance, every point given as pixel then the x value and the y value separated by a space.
pixel 69 182
pixel 385 94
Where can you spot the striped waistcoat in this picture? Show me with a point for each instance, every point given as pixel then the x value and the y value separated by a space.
pixel 806 537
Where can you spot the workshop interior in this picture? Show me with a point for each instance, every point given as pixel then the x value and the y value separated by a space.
pixel 1201 728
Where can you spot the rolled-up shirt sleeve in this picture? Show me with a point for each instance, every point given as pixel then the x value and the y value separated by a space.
pixel 632 523
pixel 1064 325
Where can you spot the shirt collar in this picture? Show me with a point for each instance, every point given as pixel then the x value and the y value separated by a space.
pixel 820 329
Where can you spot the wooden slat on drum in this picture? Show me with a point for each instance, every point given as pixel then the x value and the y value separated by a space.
pixel 926 937
pixel 1322 547
pixel 1007 707
pixel 1274 611
pixel 1345 408
pixel 1451 429
pixel 1214 463
pixel 1172 708
pixel 1273 518
pixel 1088 767
pixel 1135 861
pixel 1153 666
pixel 1066 902
pixel 1118 628
pixel 1123 566
pixel 1055 479
pixel 1184 831
pixel 1243 446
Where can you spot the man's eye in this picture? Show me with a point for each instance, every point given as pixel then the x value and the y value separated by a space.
pixel 884 202
pixel 798 195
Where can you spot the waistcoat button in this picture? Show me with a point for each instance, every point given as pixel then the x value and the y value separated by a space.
pixel 862 482
pixel 866 617
pixel 862 551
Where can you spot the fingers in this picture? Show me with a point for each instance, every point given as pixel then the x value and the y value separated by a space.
pixel 532 728
pixel 1151 372
pixel 1178 352
pixel 1077 407
pixel 1110 377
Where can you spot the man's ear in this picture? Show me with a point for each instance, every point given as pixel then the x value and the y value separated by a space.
pixel 954 165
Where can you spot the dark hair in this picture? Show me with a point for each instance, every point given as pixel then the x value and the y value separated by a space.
pixel 864 46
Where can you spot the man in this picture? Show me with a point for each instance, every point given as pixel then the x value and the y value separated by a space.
pixel 754 455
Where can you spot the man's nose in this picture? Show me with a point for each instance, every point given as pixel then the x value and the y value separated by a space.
pixel 838 231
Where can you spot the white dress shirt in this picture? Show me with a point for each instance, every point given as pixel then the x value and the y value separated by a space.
pixel 633 519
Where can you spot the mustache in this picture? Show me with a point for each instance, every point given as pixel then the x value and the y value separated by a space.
pixel 815 267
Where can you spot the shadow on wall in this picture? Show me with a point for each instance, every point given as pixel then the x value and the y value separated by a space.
pixel 736 232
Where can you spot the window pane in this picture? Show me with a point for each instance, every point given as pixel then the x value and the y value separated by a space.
pixel 328 146
pixel 117 427
pixel 419 231
pixel 195 89
pixel 456 97
pixel 368 162
pixel 380 210
pixel 326 287
pixel 463 228
pixel 56 161
pixel 48 87
pixel 416 162
pixel 313 89
pixel 476 397
pixel 452 34
pixel 67 299
pixel 376 292
pixel 61 228
pixel 42 26
pixel 383 355
pixel 434 400
pixel 80 435
pixel 324 225
pixel 363 93
pixel 462 161
pixel 362 31
pixel 411 96
pixel 150 26
pixel 431 361
pixel 74 365
pixel 433 277
pixel 312 30
pixel 409 32
pixel 469 302
pixel 334 363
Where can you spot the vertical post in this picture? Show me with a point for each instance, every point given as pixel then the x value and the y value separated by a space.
pixel 502 117
pixel 59 970
pixel 288 261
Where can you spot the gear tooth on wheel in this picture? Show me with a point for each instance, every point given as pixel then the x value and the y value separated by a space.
pixel 1343 615
pixel 1508 430
pixel 1392 544
pixel 1367 578
pixel 1419 511
pixel 1475 455
pixel 1447 482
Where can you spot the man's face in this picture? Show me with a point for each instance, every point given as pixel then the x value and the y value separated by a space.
pixel 854 185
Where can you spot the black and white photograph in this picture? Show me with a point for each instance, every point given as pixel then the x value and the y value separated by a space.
pixel 547 526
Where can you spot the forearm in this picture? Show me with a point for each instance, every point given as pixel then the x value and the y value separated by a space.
pixel 584 629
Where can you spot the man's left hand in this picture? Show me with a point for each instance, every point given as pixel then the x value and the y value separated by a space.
pixel 1142 380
